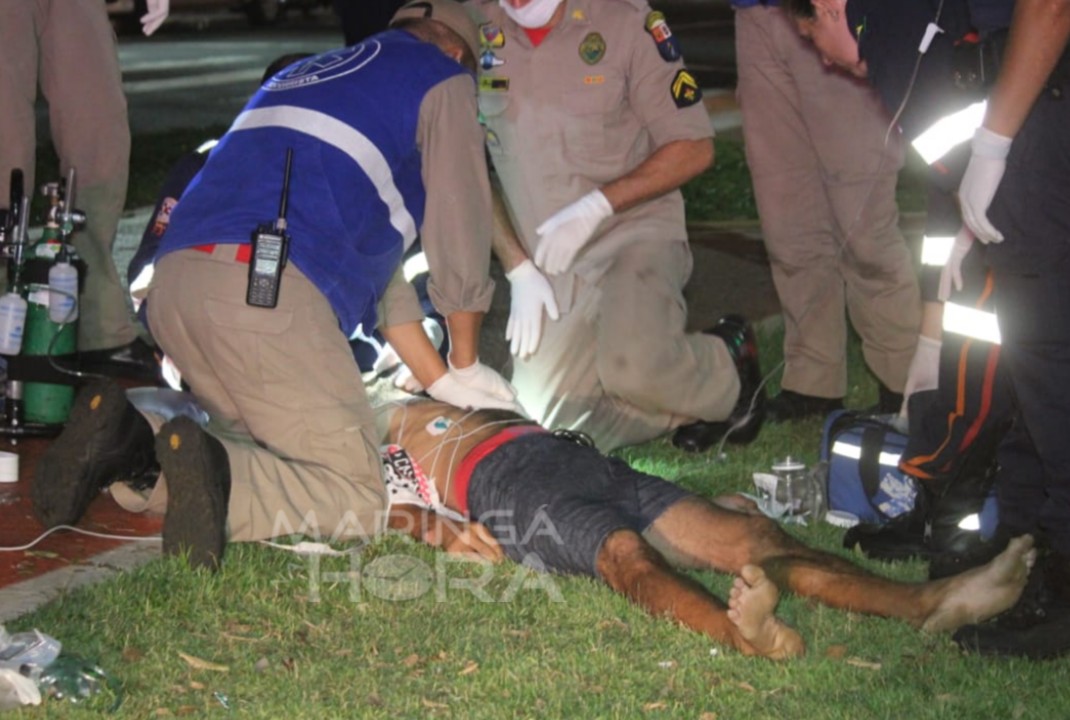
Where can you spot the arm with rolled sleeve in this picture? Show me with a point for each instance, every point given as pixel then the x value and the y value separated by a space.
pixel 457 219
pixel 682 136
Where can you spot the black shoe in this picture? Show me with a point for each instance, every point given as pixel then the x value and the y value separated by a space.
pixel 745 422
pixel 888 402
pixel 105 440
pixel 901 538
pixel 1037 626
pixel 134 361
pixel 1043 640
pixel 789 405
pixel 198 492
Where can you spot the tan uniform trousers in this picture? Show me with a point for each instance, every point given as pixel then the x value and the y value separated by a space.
pixel 68 47
pixel 825 185
pixel 618 365
pixel 284 395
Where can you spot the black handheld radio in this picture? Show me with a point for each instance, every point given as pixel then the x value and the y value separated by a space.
pixel 271 244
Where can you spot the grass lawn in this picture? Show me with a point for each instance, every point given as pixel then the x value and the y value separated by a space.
pixel 396 630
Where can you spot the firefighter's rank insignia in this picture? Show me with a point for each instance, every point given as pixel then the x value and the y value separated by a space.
pixel 491 83
pixel 668 45
pixel 593 48
pixel 491 36
pixel 685 91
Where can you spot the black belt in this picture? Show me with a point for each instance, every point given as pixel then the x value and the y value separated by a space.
pixel 977 64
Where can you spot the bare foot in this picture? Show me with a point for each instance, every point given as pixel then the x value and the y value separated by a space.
pixel 983 592
pixel 737 502
pixel 751 603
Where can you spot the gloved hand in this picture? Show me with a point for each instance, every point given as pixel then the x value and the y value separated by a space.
pixel 952 272
pixel 386 360
pixel 157 13
pixel 979 184
pixel 924 373
pixel 451 390
pixel 405 380
pixel 566 232
pixel 529 294
pixel 480 377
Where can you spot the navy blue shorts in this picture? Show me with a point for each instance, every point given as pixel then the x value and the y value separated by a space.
pixel 551 503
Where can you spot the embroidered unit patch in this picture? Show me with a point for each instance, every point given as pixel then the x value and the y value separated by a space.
pixel 491 36
pixel 685 91
pixel 593 48
pixel 668 45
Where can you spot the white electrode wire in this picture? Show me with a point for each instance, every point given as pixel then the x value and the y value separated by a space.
pixel 91 533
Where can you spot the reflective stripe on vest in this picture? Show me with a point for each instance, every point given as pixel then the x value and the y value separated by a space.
pixel 936 249
pixel 347 139
pixel 971 322
pixel 949 131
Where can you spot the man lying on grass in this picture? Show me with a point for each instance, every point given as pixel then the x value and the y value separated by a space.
pixel 595 516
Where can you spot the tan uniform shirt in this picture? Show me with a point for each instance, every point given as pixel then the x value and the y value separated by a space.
pixel 584 108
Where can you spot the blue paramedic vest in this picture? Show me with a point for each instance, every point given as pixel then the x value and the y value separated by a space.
pixel 356 194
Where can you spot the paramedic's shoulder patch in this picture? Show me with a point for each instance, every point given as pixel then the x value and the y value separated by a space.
pixel 685 91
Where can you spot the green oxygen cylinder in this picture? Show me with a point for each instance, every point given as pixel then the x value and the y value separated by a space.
pixel 46 403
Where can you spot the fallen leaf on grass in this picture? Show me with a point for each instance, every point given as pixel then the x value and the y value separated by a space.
pixel 470 668
pixel 746 686
pixel 864 664
pixel 199 664
pixel 651 707
pixel 132 654
pixel 708 716
pixel 433 705
pixel 194 685
pixel 836 652
pixel 411 660
pixel 162 712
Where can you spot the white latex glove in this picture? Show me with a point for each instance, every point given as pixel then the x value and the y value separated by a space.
pixel 529 294
pixel 405 380
pixel 924 373
pixel 979 184
pixel 153 19
pixel 480 377
pixel 566 232
pixel 451 390
pixel 952 272
pixel 386 360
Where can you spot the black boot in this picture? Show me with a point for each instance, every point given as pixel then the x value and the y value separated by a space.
pixel 1037 626
pixel 746 418
pixel 790 405
pixel 197 470
pixel 888 401
pixel 901 538
pixel 105 440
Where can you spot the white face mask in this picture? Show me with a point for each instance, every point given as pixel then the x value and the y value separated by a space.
pixel 535 14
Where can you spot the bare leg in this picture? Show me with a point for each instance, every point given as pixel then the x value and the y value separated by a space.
pixel 630 566
pixel 694 533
